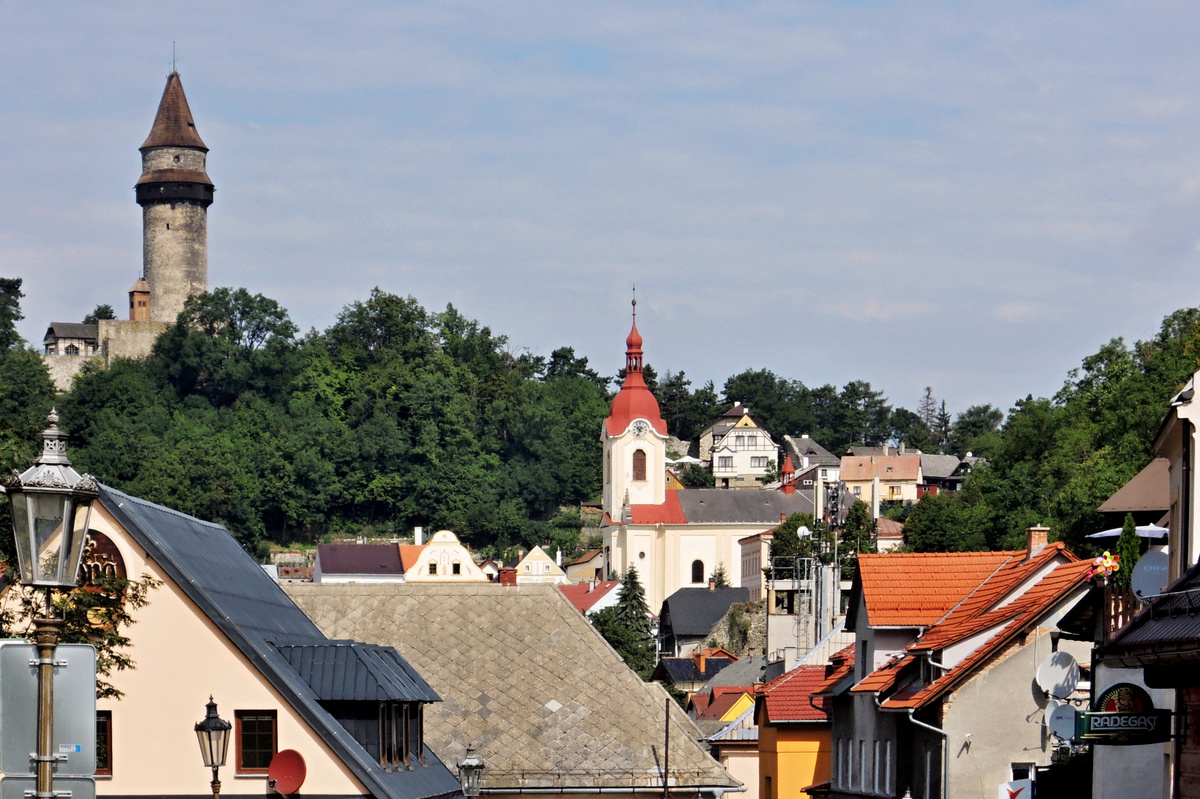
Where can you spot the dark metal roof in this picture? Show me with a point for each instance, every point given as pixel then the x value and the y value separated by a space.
pixel 694 611
pixel 359 559
pixel 354 671
pixel 744 506
pixel 687 669
pixel 237 596
pixel 71 330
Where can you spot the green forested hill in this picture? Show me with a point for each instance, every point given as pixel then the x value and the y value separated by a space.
pixel 395 417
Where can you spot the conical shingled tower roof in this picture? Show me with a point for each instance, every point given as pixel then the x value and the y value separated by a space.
pixel 173 124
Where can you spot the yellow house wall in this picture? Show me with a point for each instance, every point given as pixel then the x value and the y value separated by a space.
pixel 445 550
pixel 739 707
pixel 793 757
pixel 181 658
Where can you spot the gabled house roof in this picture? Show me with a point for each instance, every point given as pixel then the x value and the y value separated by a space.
pixel 583 596
pixel 694 611
pixel 939 465
pixel 359 559
pixel 888 468
pixel 918 589
pixel 805 447
pixel 409 554
pixel 58 330
pixel 795 697
pixel 547 703
pixel 688 669
pixel 720 506
pixel 1006 603
pixel 207 564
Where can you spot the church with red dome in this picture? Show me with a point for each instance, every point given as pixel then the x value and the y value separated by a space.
pixel 675 538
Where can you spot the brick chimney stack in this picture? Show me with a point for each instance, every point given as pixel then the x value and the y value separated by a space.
pixel 1038 538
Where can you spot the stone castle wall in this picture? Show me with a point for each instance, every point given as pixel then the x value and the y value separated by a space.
pixel 63 368
pixel 120 338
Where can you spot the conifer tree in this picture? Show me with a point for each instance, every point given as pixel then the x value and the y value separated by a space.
pixel 719 578
pixel 626 625
pixel 1129 549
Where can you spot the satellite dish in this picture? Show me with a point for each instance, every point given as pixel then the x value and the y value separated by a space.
pixel 1062 722
pixel 1150 574
pixel 287 771
pixel 1058 675
pixel 1051 706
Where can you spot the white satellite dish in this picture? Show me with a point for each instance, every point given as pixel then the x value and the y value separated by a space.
pixel 1062 722
pixel 1149 576
pixel 1058 675
pixel 1051 706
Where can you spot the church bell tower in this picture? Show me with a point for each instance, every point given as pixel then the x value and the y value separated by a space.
pixel 174 192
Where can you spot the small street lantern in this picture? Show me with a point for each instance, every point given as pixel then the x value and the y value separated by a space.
pixel 213 734
pixel 51 506
pixel 470 773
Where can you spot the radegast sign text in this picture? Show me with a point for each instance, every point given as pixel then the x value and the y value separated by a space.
pixel 1124 715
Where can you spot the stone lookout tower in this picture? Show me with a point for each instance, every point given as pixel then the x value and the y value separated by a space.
pixel 174 192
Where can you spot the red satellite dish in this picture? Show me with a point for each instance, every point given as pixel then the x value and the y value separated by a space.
pixel 287 772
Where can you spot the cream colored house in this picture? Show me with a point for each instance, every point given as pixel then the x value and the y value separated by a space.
pixel 538 567
pixel 875 478
pixel 741 453
pixel 218 625
pixel 444 560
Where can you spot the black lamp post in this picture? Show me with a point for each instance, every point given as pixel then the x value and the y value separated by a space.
pixel 470 773
pixel 51 504
pixel 213 734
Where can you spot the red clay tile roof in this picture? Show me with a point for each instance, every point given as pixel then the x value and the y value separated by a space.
pixel 856 468
pixel 585 557
pixel 1010 600
pixel 719 705
pixel 173 124
pixel 409 554
pixel 918 589
pixel 670 512
pixel 583 599
pixel 794 696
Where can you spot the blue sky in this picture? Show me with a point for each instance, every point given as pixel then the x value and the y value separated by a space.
pixel 972 196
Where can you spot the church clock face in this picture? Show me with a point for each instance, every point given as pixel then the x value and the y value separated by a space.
pixel 640 428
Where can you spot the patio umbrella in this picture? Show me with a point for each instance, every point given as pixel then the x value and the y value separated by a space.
pixel 1143 531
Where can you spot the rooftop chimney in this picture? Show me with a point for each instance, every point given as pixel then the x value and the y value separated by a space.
pixel 418 535
pixel 1038 537
pixel 712 585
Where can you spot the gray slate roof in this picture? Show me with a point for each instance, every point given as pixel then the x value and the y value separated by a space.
pixel 692 612
pixel 687 669
pixel 71 330
pixel 939 465
pixel 525 679
pixel 741 506
pixel 743 674
pixel 237 596
pixel 803 446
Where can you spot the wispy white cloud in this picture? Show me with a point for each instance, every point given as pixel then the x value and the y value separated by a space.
pixel 751 166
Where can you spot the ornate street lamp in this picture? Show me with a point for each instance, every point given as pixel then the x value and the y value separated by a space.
pixel 470 773
pixel 51 504
pixel 213 734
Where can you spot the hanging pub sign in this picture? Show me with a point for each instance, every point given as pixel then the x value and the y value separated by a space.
pixel 1124 715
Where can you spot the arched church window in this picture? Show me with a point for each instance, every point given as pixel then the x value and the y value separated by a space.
pixel 639 464
pixel 697 571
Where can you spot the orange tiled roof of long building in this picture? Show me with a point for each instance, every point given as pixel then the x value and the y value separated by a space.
pixel 792 696
pixel 670 512
pixel 918 589
pixel 1006 621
